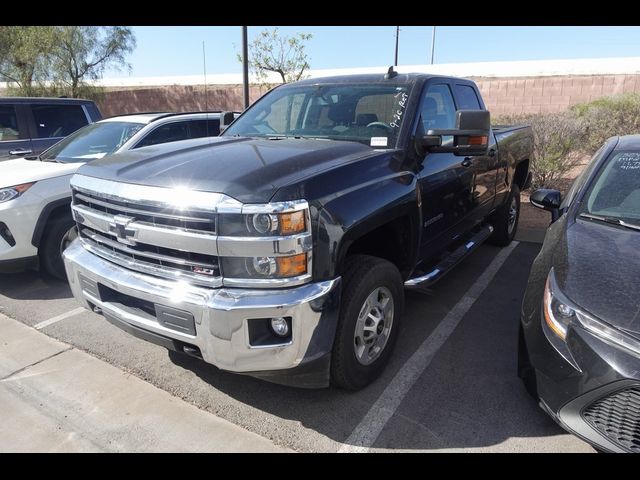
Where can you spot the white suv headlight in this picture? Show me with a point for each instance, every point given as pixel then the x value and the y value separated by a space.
pixel 9 193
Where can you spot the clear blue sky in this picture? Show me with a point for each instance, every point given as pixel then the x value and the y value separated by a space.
pixel 178 50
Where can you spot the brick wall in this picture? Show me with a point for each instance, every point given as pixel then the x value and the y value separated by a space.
pixel 502 95
pixel 550 94
pixel 175 98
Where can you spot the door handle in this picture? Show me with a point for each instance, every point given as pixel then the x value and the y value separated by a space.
pixel 20 152
pixel 492 152
pixel 467 162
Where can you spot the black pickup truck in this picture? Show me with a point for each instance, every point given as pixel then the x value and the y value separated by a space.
pixel 282 248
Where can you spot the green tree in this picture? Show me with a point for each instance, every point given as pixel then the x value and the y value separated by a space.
pixel 25 57
pixel 272 52
pixel 81 54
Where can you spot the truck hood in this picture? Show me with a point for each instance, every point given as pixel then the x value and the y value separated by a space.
pixel 598 267
pixel 247 169
pixel 17 171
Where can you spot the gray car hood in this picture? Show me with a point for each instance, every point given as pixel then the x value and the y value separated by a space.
pixel 598 267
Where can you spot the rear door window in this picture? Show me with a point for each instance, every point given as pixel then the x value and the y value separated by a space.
pixel 58 120
pixel 171 132
pixel 9 129
pixel 204 128
pixel 467 98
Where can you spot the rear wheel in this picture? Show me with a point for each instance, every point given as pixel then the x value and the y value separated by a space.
pixel 371 306
pixel 505 220
pixel 57 237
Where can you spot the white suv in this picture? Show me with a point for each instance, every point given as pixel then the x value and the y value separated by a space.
pixel 35 215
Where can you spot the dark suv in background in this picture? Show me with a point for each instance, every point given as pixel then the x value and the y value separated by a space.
pixel 28 126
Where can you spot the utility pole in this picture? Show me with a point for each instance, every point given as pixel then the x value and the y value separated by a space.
pixel 204 68
pixel 433 42
pixel 245 67
pixel 395 63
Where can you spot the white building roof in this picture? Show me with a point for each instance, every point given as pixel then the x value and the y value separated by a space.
pixel 524 68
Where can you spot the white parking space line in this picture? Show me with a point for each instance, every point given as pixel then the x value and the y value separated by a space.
pixel 62 316
pixel 366 433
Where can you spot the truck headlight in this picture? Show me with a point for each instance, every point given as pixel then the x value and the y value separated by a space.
pixel 9 193
pixel 265 267
pixel 266 245
pixel 263 224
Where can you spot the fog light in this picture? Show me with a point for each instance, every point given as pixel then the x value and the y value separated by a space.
pixel 279 326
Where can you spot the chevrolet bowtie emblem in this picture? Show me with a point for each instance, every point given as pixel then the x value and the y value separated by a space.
pixel 118 227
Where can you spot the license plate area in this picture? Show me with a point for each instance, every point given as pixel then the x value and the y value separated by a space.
pixel 169 317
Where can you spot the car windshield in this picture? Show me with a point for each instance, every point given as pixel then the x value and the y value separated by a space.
pixel 91 142
pixel 367 113
pixel 615 193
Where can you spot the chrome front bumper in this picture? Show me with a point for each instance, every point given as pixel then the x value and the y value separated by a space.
pixel 221 315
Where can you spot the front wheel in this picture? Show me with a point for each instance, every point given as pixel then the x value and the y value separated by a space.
pixel 505 220
pixel 369 321
pixel 57 237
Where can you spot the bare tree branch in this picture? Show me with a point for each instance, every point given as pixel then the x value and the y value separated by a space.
pixel 272 52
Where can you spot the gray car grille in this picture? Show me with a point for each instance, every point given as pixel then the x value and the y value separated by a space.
pixel 617 417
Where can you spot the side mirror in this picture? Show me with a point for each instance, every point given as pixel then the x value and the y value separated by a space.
pixel 549 200
pixel 470 137
pixel 226 119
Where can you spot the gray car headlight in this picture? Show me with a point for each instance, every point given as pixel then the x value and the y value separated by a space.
pixel 9 193
pixel 559 313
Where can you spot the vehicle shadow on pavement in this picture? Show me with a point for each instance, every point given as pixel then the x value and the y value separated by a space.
pixel 469 396
pixel 31 285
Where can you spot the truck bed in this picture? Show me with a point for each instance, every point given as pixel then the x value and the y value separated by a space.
pixel 515 139
pixel 499 129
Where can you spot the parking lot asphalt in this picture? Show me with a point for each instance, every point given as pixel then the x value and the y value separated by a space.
pixel 451 384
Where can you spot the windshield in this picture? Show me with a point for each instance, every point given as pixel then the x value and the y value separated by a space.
pixel 91 142
pixel 616 190
pixel 371 114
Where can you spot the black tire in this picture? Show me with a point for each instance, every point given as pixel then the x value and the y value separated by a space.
pixel 51 245
pixel 362 276
pixel 503 230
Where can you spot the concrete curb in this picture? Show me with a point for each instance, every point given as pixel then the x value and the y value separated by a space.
pixel 55 398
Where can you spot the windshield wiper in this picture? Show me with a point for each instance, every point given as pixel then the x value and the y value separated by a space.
pixel 280 136
pixel 611 220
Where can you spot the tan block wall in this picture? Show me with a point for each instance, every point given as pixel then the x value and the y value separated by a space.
pixel 501 95
pixel 175 98
pixel 550 94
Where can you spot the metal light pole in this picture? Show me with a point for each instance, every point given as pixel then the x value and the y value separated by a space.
pixel 433 42
pixel 395 63
pixel 245 67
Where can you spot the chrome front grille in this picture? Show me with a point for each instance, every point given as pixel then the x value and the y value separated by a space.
pixel 161 240
pixel 149 214
pixel 177 233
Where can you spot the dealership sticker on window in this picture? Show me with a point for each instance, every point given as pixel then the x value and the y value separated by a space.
pixel 625 161
pixel 378 141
